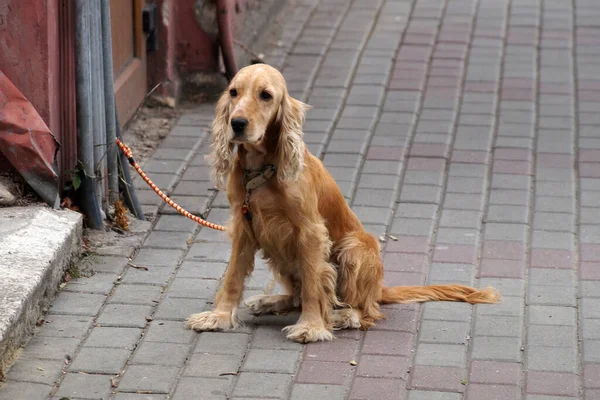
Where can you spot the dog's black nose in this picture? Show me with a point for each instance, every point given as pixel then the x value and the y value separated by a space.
pixel 239 124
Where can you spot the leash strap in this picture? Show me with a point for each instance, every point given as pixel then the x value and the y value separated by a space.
pixel 129 154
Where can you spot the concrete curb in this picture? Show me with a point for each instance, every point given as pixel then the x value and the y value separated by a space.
pixel 37 245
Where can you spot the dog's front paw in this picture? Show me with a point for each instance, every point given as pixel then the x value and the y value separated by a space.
pixel 211 321
pixel 304 332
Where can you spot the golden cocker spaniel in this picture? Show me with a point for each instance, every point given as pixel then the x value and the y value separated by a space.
pixel 285 203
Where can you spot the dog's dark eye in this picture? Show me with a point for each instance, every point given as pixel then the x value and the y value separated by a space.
pixel 265 95
pixel 233 92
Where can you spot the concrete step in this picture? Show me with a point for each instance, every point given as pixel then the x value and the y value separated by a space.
pixel 37 245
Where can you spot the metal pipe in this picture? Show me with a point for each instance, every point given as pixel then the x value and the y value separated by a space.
pixel 226 37
pixel 98 103
pixel 85 139
pixel 109 105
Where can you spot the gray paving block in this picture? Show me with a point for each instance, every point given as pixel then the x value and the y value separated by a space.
pixel 435 178
pixel 95 360
pixel 209 251
pixel 168 240
pixel 558 336
pixel 551 315
pixel 77 303
pixel 443 332
pixel 301 391
pixel 372 214
pixel 124 315
pixel 375 197
pixel 461 219
pixel 157 353
pixel 496 348
pixel 179 309
pixel 549 295
pixel 277 361
pixel 507 214
pixel 100 283
pixel 271 337
pixel 506 286
pixel 68 326
pixel 157 257
pixel 381 167
pixel 472 170
pixel 175 223
pixel 590 307
pixel 202 388
pixel 446 355
pixel 553 222
pixel 589 288
pixel 466 185
pixel 554 204
pixel 50 348
pixel 446 311
pixel 46 372
pixel 505 231
pixel 508 196
pixel 135 396
pixel 155 378
pixel 113 337
pixel 457 236
pixel 444 273
pixel 412 226
pixel 84 386
pixel 212 365
pixel 553 240
pixel 416 210
pixel 428 395
pixel 375 181
pixel 154 275
pixel 169 332
pixel 461 201
pixel 494 325
pixel 551 277
pixel 511 181
pixel 420 194
pixel 25 390
pixel 555 359
pixel 136 294
pixel 256 384
pixel 109 264
pixel 590 328
pixel 192 288
pixel 222 343
pixel 591 351
pixel 509 306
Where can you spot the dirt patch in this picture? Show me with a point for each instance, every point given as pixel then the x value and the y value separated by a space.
pixel 14 190
pixel 148 128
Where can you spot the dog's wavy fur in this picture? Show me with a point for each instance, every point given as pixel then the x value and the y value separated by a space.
pixel 316 247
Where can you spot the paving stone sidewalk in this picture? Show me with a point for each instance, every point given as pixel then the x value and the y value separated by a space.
pixel 469 130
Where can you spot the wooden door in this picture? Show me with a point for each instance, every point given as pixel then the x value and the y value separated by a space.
pixel 129 56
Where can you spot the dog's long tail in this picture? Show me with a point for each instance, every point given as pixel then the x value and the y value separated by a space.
pixel 416 294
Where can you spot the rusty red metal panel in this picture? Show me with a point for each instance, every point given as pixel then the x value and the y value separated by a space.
pixel 67 159
pixel 27 143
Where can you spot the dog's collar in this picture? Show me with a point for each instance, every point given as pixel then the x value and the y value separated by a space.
pixel 253 179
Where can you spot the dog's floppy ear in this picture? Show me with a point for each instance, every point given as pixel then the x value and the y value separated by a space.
pixel 221 157
pixel 291 147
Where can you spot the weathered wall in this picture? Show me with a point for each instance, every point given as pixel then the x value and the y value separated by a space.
pixel 29 53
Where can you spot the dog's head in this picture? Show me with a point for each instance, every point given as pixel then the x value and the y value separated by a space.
pixel 256 104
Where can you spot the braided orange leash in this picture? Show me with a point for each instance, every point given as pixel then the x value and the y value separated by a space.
pixel 129 154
